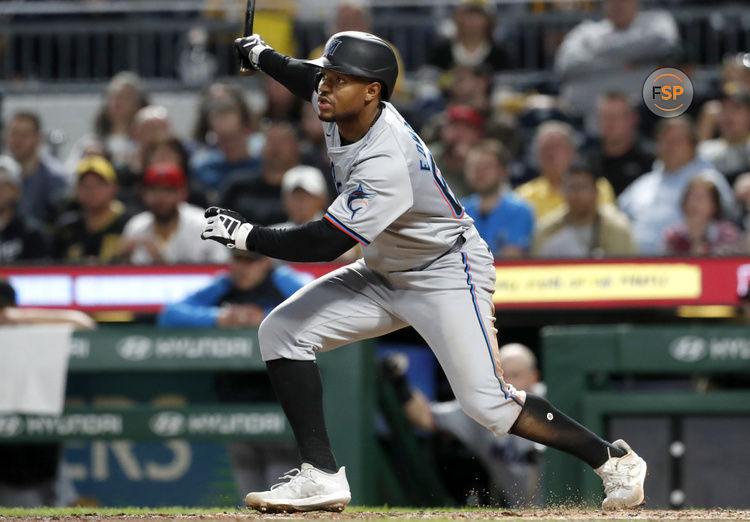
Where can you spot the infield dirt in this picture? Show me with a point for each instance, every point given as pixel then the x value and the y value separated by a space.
pixel 506 515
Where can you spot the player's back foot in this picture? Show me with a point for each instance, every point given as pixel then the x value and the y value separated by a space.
pixel 305 489
pixel 623 479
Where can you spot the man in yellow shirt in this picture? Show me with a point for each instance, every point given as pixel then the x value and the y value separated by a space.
pixel 582 227
pixel 555 148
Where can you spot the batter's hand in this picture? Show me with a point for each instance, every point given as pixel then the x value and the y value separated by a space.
pixel 249 48
pixel 226 227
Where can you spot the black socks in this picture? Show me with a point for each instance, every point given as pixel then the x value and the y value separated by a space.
pixel 543 423
pixel 300 392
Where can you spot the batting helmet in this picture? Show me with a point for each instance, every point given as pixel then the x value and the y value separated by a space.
pixel 361 54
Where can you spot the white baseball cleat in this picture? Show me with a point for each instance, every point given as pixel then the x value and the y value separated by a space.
pixel 305 489
pixel 623 479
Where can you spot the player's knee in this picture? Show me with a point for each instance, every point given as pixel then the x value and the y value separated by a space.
pixel 269 337
pixel 483 415
pixel 279 339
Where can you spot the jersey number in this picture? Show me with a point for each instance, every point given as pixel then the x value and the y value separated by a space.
pixel 456 208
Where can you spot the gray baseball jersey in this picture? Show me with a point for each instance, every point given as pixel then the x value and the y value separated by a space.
pixel 424 265
pixel 392 197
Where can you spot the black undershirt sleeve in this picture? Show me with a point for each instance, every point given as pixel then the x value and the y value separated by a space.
pixel 299 77
pixel 308 243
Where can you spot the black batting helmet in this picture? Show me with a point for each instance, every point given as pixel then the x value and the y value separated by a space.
pixel 361 54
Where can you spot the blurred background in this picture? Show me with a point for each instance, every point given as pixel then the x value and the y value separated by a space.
pixel 129 368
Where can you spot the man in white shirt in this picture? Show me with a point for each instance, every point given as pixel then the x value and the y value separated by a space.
pixel 652 202
pixel 615 53
pixel 165 233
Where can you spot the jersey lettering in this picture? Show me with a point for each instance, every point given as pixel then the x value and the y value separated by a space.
pixel 423 164
pixel 456 208
pixel 428 164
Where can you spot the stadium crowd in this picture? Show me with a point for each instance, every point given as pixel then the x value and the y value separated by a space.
pixel 585 173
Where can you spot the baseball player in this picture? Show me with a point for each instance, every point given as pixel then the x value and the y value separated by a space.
pixel 424 265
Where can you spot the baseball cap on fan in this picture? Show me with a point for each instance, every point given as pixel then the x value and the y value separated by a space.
pixel 307 178
pixel 466 114
pixel 10 170
pixel 164 175
pixel 96 165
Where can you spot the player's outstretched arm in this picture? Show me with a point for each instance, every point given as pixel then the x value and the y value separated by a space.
pixel 308 243
pixel 296 75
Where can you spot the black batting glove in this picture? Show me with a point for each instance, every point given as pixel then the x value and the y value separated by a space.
pixel 248 48
pixel 226 227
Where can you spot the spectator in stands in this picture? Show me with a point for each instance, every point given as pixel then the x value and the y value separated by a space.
pixel 582 227
pixel 464 86
pixel 735 76
pixel 463 128
pixel 742 195
pixel 472 43
pixel 615 53
pixel 150 125
pixel 281 104
pixel 652 202
pixel 258 198
pixel 355 15
pixel 216 94
pixel 113 126
pixel 471 85
pixel 513 463
pixel 231 128
pixel 304 194
pixel 504 220
pixel 31 475
pixel 619 155
pixel 91 233
pixel 703 232
pixel 730 152
pixel 555 148
pixel 170 149
pixel 21 238
pixel 167 232
pixel 241 299
pixel 44 183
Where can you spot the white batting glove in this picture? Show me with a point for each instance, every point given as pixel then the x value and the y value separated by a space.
pixel 226 227
pixel 250 47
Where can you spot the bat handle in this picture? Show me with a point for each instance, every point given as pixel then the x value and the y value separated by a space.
pixel 245 68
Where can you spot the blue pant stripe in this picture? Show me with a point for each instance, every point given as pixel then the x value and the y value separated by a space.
pixel 467 267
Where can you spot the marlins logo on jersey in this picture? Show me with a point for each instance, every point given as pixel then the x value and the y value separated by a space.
pixel 357 200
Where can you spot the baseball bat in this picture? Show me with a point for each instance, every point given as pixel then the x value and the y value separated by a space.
pixel 245 68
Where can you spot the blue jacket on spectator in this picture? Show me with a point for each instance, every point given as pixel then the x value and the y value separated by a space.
pixel 510 223
pixel 201 309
